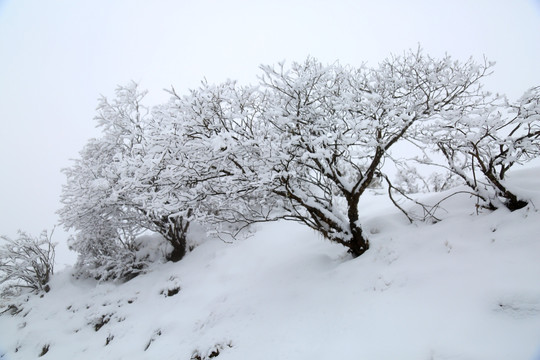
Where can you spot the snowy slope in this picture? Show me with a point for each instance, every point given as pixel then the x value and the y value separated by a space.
pixel 467 287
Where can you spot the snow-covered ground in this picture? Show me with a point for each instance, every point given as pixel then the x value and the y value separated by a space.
pixel 467 287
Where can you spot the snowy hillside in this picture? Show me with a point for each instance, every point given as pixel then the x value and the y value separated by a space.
pixel 467 287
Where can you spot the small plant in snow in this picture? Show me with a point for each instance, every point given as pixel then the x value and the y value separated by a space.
pixel 26 262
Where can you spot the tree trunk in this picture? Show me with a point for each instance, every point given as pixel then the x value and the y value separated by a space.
pixel 179 251
pixel 514 203
pixel 176 234
pixel 174 230
pixel 358 244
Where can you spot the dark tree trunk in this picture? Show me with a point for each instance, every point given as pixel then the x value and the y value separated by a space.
pixel 174 230
pixel 178 253
pixel 358 244
pixel 515 204
pixel 176 235
pixel 512 202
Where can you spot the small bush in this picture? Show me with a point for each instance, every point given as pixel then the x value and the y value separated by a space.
pixel 26 262
pixel 103 256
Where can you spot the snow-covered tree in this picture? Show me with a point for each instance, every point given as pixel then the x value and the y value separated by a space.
pixel 221 158
pixel 333 127
pixel 481 145
pixel 303 145
pixel 26 262
pixel 94 199
pixel 107 198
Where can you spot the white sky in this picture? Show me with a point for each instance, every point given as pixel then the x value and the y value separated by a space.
pixel 57 57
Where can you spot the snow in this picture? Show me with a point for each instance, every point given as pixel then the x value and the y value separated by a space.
pixel 467 287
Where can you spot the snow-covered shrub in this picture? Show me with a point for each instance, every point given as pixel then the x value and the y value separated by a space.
pixel 103 256
pixel 152 248
pixel 26 262
pixel 482 144
pixel 111 194
pixel 120 265
pixel 158 170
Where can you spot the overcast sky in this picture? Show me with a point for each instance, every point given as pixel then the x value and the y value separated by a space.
pixel 57 57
